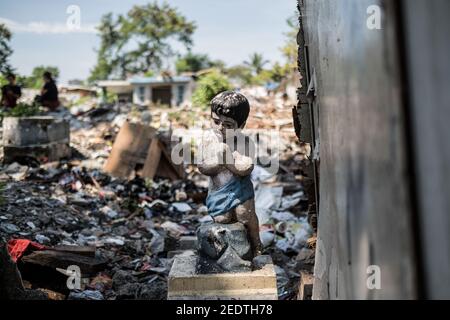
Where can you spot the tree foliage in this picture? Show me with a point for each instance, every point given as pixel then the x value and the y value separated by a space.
pixel 209 86
pixel 5 49
pixel 140 40
pixel 242 73
pixel 256 63
pixel 192 62
pixel 290 48
pixel 254 71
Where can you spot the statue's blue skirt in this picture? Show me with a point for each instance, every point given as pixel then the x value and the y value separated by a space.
pixel 229 196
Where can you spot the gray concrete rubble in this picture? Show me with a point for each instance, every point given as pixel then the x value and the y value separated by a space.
pixel 225 245
pixel 39 138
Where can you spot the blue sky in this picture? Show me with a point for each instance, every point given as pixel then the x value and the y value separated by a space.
pixel 229 30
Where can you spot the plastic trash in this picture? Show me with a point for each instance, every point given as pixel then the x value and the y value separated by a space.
pixel 182 207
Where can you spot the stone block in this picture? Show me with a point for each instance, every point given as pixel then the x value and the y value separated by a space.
pixel 185 283
pixel 42 153
pixel 188 243
pixel 27 131
pixel 41 138
pixel 224 247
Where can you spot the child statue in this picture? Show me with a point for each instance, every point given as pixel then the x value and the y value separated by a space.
pixel 227 158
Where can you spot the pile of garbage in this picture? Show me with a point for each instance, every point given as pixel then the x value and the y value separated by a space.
pixel 133 224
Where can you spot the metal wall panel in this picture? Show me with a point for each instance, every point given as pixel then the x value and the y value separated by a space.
pixel 365 215
pixel 427 33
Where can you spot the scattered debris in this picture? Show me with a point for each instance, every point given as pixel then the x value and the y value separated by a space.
pixel 86 295
pixel 118 207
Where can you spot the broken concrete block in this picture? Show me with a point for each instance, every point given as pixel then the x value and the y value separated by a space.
pixel 188 243
pixel 42 153
pixel 185 283
pixel 26 131
pixel 231 261
pixel 44 139
pixel 214 238
pixel 174 253
pixel 260 261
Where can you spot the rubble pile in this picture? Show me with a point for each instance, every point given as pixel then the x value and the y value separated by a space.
pixel 131 225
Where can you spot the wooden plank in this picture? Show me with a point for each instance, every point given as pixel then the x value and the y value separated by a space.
pixel 305 287
pixel 55 259
pixel 88 251
pixel 167 169
pixel 152 161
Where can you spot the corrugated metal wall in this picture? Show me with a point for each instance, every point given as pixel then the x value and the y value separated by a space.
pixel 365 214
pixel 381 111
pixel 426 26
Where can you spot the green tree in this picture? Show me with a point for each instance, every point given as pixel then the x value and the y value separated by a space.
pixel 36 81
pixel 3 80
pixel 140 40
pixel 279 72
pixel 242 73
pixel 209 86
pixel 256 63
pixel 106 55
pixel 290 48
pixel 192 63
pixel 5 49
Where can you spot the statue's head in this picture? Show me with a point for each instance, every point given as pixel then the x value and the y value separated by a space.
pixel 229 111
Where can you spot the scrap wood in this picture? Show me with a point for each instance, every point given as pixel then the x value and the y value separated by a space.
pixel 97 185
pixel 153 159
pixel 138 145
pixel 60 259
pixel 88 251
pixel 158 162
pixel 311 242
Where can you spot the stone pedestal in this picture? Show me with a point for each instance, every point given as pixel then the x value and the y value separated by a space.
pixel 224 248
pixel 40 138
pixel 186 283
pixel 222 268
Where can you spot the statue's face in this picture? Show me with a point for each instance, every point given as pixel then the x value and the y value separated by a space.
pixel 221 124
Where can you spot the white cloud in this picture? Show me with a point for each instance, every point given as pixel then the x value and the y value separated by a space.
pixel 40 27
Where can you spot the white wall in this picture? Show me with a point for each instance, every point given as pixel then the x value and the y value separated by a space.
pixel 188 88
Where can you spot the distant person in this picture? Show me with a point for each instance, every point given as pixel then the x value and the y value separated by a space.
pixel 49 93
pixel 10 92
